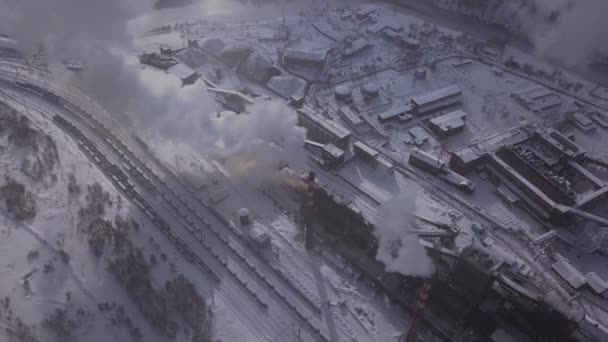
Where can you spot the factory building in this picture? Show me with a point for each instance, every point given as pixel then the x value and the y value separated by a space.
pixel 353 120
pixel 466 159
pixel 187 75
pixel 427 162
pixel 365 12
pixel 400 112
pixel 157 60
pixel 304 58
pixel 322 130
pixel 233 100
pixel 448 124
pixel 437 99
pixel 356 47
pixel 333 156
pixel 439 168
pixel 364 151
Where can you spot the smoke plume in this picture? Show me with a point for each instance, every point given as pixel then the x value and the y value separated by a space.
pixel 98 32
pixel 399 250
pixel 571 31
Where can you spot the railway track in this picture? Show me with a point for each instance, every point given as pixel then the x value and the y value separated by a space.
pixel 137 172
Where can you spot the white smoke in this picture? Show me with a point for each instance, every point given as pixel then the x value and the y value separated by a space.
pixel 571 31
pixel 399 250
pixel 98 31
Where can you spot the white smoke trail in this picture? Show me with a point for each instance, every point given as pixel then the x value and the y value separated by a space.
pixel 399 250
pixel 571 31
pixel 98 31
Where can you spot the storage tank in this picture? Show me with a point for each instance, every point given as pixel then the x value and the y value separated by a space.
pixel 370 90
pixel 244 216
pixel 343 92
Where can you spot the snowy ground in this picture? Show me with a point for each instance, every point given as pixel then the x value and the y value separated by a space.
pixel 48 265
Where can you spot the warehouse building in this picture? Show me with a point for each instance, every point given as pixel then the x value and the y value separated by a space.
pixel 322 130
pixel 185 73
pixel 305 58
pixel 401 113
pixel 437 99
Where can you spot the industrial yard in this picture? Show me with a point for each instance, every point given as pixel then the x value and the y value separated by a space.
pixel 381 171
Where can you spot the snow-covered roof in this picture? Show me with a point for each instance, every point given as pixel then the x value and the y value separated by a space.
pixel 569 273
pixel 393 112
pixel 436 95
pixel 466 154
pixel 193 58
pixel 308 56
pixel 182 71
pixel 596 283
pixel 288 86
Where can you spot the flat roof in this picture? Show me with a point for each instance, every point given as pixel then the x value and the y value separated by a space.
pixel 393 112
pixel 450 125
pixel 457 114
pixel 310 56
pixel 335 129
pixel 181 70
pixel 427 158
pixel 570 274
pixel 436 95
pixel 366 149
pixel 350 116
pixel 466 154
pixel 333 150
pixel 596 283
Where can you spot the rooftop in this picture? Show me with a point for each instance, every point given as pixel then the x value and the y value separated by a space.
pixel 436 95
pixel 311 56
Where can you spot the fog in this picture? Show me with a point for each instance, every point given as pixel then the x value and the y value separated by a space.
pixel 571 31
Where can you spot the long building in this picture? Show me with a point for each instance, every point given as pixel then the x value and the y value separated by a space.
pixel 308 58
pixel 434 100
pixel 322 130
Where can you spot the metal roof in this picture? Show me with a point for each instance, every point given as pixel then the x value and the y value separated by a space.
pixel 436 95
pixel 570 274
pixel 310 56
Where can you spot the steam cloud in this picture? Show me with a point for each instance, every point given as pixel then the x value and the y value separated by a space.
pixel 399 250
pixel 571 31
pixel 98 32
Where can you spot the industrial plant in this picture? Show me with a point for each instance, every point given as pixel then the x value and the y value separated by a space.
pixel 370 172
